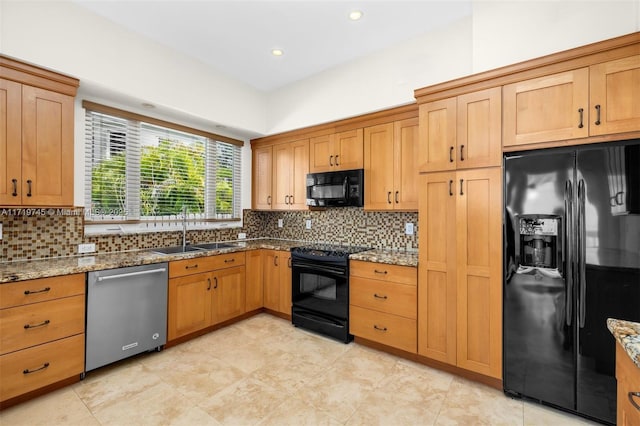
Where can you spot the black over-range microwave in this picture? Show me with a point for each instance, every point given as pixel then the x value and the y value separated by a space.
pixel 336 189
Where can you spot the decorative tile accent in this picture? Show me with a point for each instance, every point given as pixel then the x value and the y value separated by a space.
pixel 56 233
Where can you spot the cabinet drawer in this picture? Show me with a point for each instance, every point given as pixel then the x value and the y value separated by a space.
pixel 33 291
pixel 180 268
pixel 384 272
pixel 30 325
pixel 392 298
pixel 390 330
pixel 41 365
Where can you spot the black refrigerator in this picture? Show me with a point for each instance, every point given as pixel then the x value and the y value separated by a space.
pixel 571 260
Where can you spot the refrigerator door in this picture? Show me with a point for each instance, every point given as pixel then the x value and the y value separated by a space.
pixel 539 359
pixel 608 269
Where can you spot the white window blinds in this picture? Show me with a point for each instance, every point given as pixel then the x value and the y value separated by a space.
pixel 136 171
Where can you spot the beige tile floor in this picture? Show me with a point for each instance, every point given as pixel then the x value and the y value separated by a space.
pixel 264 371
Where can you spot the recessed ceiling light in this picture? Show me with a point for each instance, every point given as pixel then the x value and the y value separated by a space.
pixel 277 52
pixel 355 15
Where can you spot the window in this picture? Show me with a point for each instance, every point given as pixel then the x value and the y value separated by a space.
pixel 138 168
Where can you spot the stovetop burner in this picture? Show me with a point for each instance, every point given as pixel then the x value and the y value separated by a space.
pixel 330 250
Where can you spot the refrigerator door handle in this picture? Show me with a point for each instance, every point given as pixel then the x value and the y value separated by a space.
pixel 582 244
pixel 568 251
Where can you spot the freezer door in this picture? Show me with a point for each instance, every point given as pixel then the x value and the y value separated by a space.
pixel 608 270
pixel 539 360
pixel 126 313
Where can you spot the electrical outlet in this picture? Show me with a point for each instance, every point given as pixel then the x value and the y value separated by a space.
pixel 307 223
pixel 242 235
pixel 86 248
pixel 280 223
pixel 0 231
pixel 408 228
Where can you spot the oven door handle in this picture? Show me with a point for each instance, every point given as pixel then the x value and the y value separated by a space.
pixel 320 268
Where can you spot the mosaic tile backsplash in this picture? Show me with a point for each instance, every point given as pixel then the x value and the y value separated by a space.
pixel 47 236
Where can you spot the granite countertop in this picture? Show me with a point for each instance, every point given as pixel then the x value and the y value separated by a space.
pixel 391 257
pixel 627 333
pixel 32 269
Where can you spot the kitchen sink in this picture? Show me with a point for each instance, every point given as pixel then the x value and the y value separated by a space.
pixel 175 249
pixel 215 246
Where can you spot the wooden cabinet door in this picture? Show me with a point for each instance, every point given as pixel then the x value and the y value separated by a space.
pixel 282 165
pixel 253 280
pixel 550 108
pixel 479 266
pixel 479 132
pixel 285 282
pixel 320 152
pixel 628 378
pixel 437 267
pixel 348 151
pixel 189 304
pixel 10 143
pixel 615 96
pixel 299 170
pixel 262 170
pixel 47 148
pixel 437 136
pixel 228 294
pixel 379 167
pixel 271 279
pixel 405 172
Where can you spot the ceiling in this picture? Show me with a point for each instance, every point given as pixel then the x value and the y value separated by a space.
pixel 236 37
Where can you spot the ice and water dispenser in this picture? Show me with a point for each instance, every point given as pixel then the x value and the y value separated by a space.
pixel 539 240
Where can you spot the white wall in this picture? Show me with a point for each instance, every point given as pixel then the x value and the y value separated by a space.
pixel 506 32
pixel 379 81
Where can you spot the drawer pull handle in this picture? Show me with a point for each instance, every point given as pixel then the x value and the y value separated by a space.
pixel 209 286
pixel 230 260
pixel 27 371
pixel 215 280
pixel 633 402
pixel 380 328
pixel 43 323
pixel 44 290
pixel 380 272
pixel 191 266
pixel 377 296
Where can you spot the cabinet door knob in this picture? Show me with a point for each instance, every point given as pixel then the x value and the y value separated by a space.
pixel 597 123
pixel 215 280
pixel 28 187
pixel 389 197
pixel 209 286
pixel 461 185
pixel 331 160
pixel 286 199
pixel 461 152
pixel 450 187
pixel 337 164
pixel 269 200
pixel 397 196
pixel 581 112
pixel 451 154
pixel 15 187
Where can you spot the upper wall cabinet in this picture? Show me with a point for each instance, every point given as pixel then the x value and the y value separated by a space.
pixel 36 136
pixel 590 101
pixel 461 132
pixel 614 91
pixel 391 166
pixel 338 151
pixel 279 176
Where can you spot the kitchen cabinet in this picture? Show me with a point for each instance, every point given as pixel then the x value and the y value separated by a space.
pixel 277 281
pixel 290 168
pixel 41 333
pixel 383 304
pixel 597 100
pixel 262 174
pixel 628 378
pixel 36 136
pixel 462 132
pixel 390 166
pixel 337 151
pixel 614 94
pixel 460 283
pixel 254 294
pixel 204 291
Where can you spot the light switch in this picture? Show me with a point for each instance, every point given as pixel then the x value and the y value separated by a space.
pixel 280 223
pixel 0 231
pixel 408 228
pixel 307 223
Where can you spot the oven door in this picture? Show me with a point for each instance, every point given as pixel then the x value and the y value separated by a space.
pixel 320 287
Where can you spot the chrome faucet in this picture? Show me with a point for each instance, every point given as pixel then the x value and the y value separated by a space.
pixel 184 228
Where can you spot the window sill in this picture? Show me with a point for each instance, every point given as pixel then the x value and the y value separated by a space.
pixel 145 228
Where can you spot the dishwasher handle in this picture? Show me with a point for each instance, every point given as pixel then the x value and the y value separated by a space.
pixel 131 274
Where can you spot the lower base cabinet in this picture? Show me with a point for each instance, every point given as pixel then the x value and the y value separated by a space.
pixel 628 376
pixel 204 292
pixel 277 280
pixel 383 304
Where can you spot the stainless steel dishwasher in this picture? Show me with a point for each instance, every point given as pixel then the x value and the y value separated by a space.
pixel 126 313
